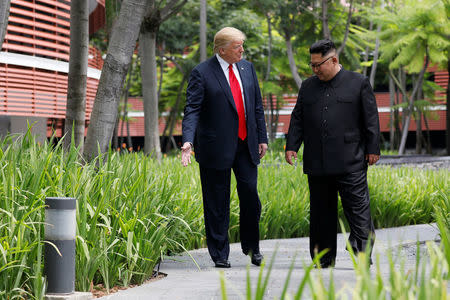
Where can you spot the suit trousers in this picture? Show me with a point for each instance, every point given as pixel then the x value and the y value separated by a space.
pixel 354 194
pixel 216 204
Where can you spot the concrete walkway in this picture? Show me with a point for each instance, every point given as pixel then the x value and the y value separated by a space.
pixel 185 281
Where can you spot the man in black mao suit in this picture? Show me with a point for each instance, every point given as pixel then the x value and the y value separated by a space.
pixel 336 118
pixel 224 122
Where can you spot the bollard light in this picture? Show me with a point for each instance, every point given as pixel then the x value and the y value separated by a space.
pixel 60 230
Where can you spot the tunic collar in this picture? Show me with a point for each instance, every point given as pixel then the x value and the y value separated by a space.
pixel 335 81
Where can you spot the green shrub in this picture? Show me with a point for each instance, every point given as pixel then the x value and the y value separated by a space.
pixel 132 210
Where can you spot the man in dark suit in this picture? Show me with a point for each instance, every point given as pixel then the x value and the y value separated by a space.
pixel 224 122
pixel 336 118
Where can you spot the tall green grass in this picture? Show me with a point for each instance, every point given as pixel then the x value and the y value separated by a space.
pixel 428 279
pixel 132 210
pixel 399 196
pixel 404 196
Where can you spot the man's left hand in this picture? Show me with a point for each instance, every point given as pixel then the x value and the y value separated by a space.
pixel 372 158
pixel 186 154
pixel 262 150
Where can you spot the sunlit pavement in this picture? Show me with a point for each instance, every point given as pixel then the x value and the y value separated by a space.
pixel 186 281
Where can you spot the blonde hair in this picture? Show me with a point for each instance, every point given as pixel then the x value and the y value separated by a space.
pixel 225 36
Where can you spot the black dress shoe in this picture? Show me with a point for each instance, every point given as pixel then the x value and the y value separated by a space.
pixel 222 263
pixel 325 265
pixel 257 258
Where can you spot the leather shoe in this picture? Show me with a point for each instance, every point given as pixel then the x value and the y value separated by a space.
pixel 325 265
pixel 222 263
pixel 257 258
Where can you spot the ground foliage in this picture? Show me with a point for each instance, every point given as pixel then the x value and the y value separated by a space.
pixel 132 210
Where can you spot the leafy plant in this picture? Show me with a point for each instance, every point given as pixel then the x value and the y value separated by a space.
pixel 131 210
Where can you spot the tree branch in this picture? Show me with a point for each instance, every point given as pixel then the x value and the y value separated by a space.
pixel 177 65
pixel 325 25
pixel 347 28
pixel 411 105
pixel 399 85
pixel 171 8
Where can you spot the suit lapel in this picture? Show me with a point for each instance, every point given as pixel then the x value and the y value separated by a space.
pixel 218 72
pixel 244 74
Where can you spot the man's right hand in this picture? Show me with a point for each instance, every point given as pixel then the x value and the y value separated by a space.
pixel 288 156
pixel 186 154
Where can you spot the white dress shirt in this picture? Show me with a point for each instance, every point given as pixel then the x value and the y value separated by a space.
pixel 224 65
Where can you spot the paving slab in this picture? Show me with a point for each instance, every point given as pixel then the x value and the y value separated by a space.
pixel 72 296
pixel 186 280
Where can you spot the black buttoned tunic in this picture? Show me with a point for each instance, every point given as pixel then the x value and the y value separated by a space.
pixel 338 123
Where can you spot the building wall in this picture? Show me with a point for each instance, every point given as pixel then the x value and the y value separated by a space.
pixel 34 63
pixel 38 125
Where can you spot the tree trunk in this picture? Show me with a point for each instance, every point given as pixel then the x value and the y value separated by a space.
pixel 202 30
pixel 375 59
pixel 147 51
pixel 276 117
pixel 412 98
pixel 269 46
pixel 175 112
pixel 125 108
pixel 325 26
pixel 404 98
pixel 419 131
pixel 447 114
pixel 129 139
pixel 366 53
pixel 428 140
pixel 115 138
pixel 292 66
pixel 155 16
pixel 419 135
pixel 274 114
pixel 392 113
pixel 4 15
pixel 161 67
pixel 365 60
pixel 118 58
pixel 76 80
pixel 271 122
pixel 347 28
pixel 398 131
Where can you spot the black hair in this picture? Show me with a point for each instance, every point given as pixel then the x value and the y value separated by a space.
pixel 323 47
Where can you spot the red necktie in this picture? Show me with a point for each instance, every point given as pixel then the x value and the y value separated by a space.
pixel 238 101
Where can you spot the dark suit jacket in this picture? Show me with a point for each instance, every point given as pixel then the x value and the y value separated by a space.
pixel 336 132
pixel 210 117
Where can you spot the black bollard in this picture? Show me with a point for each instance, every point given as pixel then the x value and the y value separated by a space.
pixel 60 230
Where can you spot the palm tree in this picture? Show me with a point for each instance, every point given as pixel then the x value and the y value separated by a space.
pixel 413 49
pixel 120 50
pixel 155 16
pixel 287 22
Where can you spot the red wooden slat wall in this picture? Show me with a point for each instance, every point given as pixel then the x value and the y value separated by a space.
pixel 40 28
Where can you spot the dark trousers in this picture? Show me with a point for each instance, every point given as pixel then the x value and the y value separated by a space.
pixel 355 200
pixel 216 204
